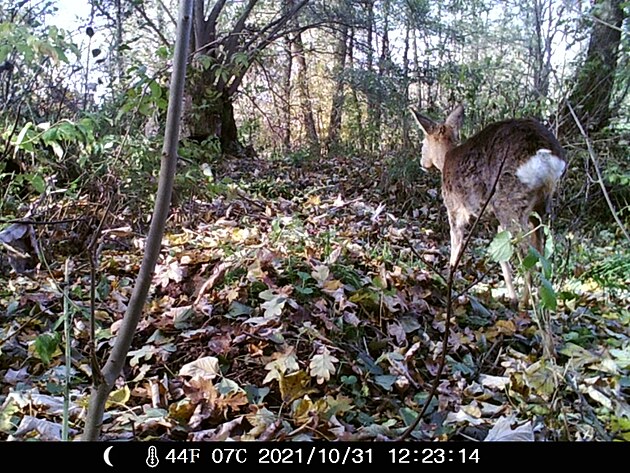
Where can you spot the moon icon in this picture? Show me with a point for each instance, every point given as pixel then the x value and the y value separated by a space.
pixel 106 456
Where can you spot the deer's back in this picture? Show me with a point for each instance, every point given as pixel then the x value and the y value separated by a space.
pixel 529 156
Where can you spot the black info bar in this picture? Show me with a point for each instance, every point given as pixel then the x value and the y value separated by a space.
pixel 297 456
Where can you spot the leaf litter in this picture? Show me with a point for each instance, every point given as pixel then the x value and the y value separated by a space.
pixel 302 304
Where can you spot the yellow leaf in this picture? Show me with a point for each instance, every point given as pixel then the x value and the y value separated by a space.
pixel 101 315
pixel 301 410
pixel 118 397
pixel 240 235
pixel 332 285
pixel 255 272
pixel 181 411
pixel 502 327
pixel 337 406
pixel 295 386
pixel 313 200
pixel 232 294
pixel 542 377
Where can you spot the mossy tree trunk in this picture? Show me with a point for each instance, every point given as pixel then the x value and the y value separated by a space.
pixel 591 96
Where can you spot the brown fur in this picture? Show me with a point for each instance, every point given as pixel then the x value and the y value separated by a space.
pixel 469 172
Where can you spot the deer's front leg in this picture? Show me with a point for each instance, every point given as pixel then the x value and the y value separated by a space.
pixel 457 222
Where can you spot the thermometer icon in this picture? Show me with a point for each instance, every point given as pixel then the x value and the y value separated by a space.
pixel 152 459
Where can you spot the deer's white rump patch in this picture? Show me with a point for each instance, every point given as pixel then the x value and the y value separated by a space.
pixel 542 169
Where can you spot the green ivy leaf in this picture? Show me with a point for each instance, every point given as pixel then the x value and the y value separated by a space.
pixel 8 416
pixel 46 344
pixel 531 259
pixel 38 183
pixel 546 267
pixel 501 248
pixel 156 90
pixel 548 295
pixel 238 308
pixel 385 381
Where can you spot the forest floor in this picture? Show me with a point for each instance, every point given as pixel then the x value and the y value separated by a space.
pixel 304 301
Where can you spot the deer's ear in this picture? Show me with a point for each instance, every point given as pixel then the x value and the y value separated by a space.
pixel 425 123
pixel 456 118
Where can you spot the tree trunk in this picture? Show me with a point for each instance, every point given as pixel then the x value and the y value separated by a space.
pixel 229 132
pixel 420 105
pixel 120 68
pixel 591 95
pixel 371 93
pixel 105 379
pixel 211 116
pixel 334 126
pixel 305 96
pixel 209 111
pixel 405 121
pixel 358 126
pixel 383 67
pixel 541 72
pixel 286 105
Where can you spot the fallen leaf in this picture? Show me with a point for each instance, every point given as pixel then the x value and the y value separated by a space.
pixel 283 363
pixel 206 367
pixel 322 365
pixel 502 431
pixel 494 382
pixel 294 386
pixel 320 273
pixel 48 431
pixel 599 397
pixel 15 376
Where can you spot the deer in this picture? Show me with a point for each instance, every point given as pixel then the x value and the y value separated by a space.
pixel 512 166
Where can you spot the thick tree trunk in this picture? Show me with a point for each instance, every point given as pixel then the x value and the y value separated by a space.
pixel 211 116
pixel 591 95
pixel 229 132
pixel 209 111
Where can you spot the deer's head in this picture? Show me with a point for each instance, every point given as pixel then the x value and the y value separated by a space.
pixel 439 138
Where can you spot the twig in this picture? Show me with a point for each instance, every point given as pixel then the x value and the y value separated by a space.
pixel 92 257
pixel 419 256
pixel 67 324
pixel 45 222
pixel 449 308
pixel 19 329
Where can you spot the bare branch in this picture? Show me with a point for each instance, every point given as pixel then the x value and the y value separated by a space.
pixel 140 9
pixel 231 41
pixel 211 22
